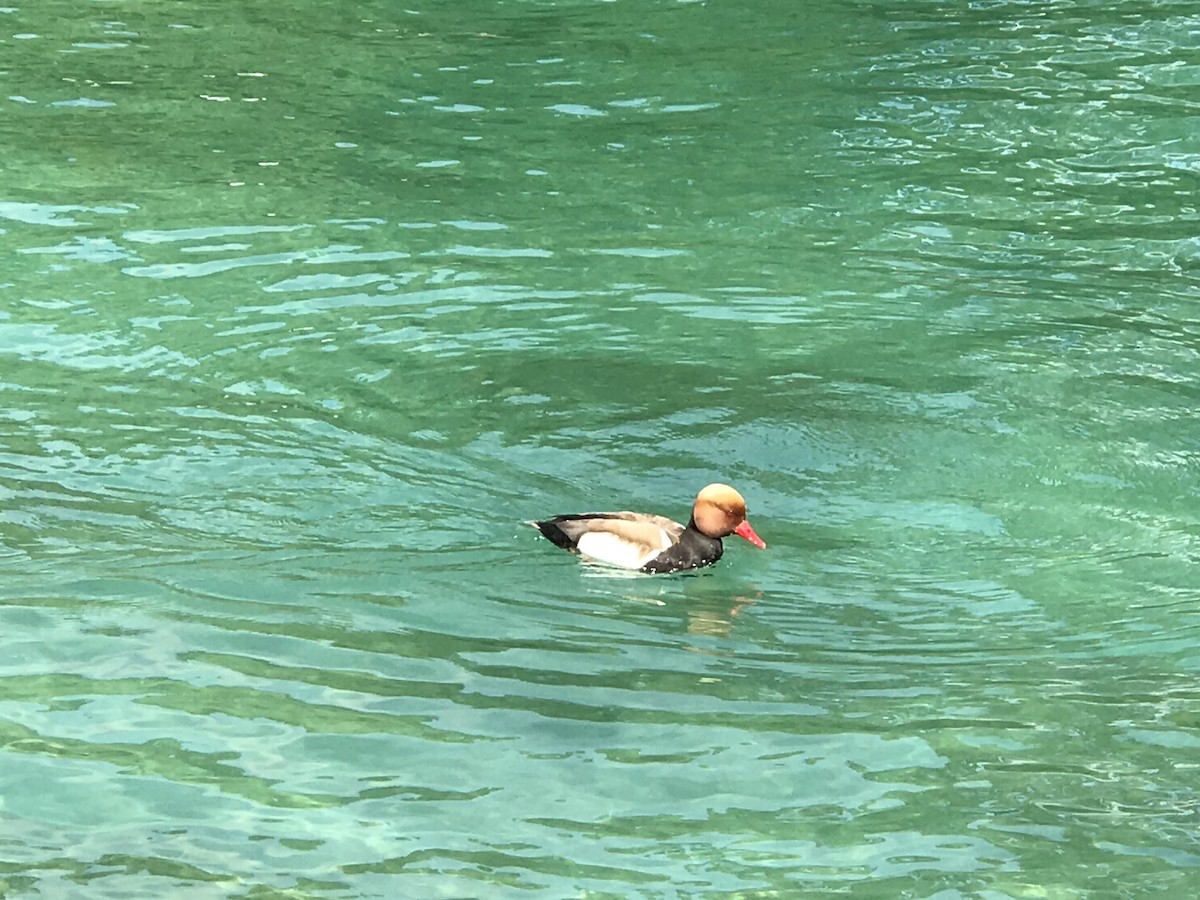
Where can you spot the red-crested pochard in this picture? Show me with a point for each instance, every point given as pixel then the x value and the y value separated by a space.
pixel 654 543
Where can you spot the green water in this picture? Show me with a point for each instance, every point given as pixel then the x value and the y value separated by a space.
pixel 305 306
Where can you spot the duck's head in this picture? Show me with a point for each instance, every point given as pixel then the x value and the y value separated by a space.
pixel 719 510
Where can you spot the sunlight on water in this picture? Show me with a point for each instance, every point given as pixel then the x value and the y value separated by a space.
pixel 305 311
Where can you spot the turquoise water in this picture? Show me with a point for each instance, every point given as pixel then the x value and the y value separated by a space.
pixel 303 309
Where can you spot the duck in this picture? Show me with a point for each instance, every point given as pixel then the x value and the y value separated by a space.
pixel 655 544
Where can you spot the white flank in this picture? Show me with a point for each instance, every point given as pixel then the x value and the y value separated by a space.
pixel 615 550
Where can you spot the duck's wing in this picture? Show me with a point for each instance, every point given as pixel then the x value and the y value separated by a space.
pixel 626 539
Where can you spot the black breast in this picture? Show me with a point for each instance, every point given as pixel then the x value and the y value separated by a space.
pixel 691 552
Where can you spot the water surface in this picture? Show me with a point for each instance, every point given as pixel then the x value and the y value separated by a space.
pixel 303 310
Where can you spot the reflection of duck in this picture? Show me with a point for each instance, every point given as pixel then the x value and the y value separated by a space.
pixel 714 618
pixel 653 543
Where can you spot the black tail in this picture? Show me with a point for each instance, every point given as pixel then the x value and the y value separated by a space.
pixel 555 535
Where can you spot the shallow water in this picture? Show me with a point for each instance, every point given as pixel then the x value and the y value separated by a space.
pixel 304 311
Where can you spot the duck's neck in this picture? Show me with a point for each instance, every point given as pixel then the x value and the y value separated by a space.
pixel 692 527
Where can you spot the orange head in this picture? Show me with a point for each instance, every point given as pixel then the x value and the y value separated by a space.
pixel 719 510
